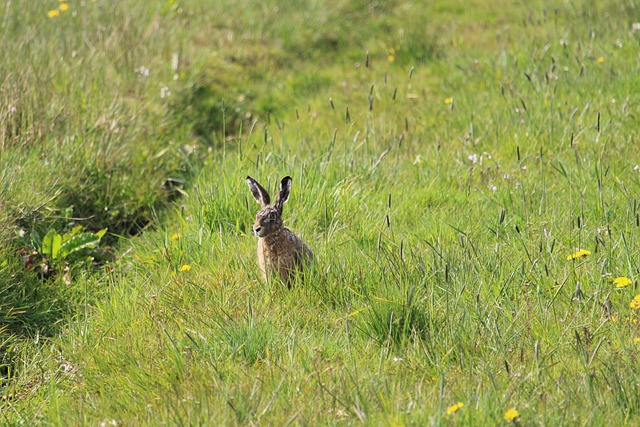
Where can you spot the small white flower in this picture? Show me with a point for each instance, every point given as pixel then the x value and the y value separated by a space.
pixel 142 70
pixel 473 158
pixel 524 167
pixel 505 176
pixel 493 188
pixel 165 92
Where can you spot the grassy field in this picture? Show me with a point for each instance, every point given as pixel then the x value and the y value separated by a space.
pixel 466 174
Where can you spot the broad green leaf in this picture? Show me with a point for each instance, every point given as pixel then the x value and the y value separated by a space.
pixel 74 231
pixel 51 244
pixel 78 242
pixel 100 234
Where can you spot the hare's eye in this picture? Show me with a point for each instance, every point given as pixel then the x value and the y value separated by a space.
pixel 272 216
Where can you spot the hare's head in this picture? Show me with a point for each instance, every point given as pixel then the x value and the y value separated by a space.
pixel 269 218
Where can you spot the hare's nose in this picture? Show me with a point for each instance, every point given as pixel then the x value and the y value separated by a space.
pixel 257 229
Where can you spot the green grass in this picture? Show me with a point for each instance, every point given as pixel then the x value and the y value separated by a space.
pixel 446 160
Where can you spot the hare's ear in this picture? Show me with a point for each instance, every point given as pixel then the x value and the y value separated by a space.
pixel 283 194
pixel 258 191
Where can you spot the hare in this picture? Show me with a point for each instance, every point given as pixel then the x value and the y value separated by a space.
pixel 279 250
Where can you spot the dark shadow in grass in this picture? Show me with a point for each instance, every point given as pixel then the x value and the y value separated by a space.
pixel 30 307
pixel 211 110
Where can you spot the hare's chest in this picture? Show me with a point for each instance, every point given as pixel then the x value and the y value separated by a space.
pixel 273 255
pixel 261 256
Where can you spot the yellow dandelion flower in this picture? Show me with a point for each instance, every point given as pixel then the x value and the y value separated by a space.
pixel 600 60
pixel 636 340
pixel 53 13
pixel 621 282
pixel 64 7
pixel 176 236
pixel 614 319
pixel 454 408
pixel 392 55
pixel 635 302
pixel 185 267
pixel 448 100
pixel 511 414
pixel 581 253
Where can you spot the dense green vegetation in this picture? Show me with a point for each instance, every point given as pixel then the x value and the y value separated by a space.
pixel 466 174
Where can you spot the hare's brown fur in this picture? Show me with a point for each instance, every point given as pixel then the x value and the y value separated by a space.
pixel 283 253
pixel 280 251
